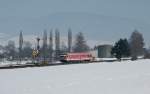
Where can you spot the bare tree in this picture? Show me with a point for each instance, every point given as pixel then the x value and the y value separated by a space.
pixel 10 50
pixel 80 43
pixel 136 44
pixel 27 50
pixel 44 48
pixel 20 45
pixel 57 44
pixel 69 40
pixel 63 48
pixel 2 51
pixel 51 45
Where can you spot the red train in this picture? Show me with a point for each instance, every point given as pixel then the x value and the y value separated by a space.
pixel 77 57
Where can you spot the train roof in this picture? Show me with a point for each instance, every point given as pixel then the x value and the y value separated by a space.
pixel 83 53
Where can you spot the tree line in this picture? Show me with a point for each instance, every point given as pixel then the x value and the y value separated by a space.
pixel 52 46
pixel 132 47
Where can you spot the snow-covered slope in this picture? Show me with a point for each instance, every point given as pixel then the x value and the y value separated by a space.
pixel 127 77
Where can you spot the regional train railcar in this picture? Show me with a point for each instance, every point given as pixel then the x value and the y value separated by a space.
pixel 77 57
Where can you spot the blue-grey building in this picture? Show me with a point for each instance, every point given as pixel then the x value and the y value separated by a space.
pixel 104 51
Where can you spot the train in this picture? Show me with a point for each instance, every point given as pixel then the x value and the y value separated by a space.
pixel 77 57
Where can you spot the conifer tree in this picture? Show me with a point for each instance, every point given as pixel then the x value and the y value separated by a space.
pixel 121 49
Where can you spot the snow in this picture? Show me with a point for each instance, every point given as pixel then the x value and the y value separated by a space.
pixel 127 77
pixel 8 63
pixel 103 59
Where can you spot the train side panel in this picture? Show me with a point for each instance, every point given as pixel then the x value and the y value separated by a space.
pixel 73 57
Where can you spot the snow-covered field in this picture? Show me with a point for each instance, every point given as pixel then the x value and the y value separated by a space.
pixel 8 63
pixel 128 77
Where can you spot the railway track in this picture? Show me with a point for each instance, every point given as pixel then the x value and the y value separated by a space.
pixel 15 66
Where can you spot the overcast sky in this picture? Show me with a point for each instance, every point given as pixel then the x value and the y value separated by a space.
pixel 100 20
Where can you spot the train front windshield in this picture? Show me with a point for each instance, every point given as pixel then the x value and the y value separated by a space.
pixel 62 57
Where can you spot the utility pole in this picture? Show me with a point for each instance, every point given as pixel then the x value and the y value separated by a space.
pixel 38 49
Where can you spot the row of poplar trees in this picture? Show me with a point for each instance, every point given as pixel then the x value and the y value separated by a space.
pixel 51 47
pixel 51 53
